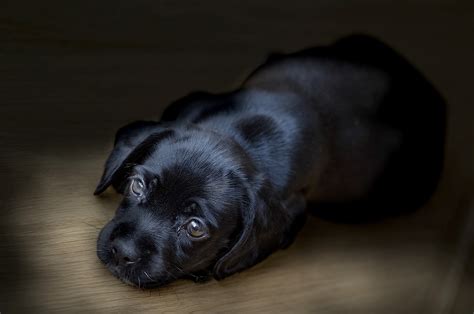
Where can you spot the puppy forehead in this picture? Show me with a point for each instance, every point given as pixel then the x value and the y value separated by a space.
pixel 193 165
pixel 198 157
pixel 190 144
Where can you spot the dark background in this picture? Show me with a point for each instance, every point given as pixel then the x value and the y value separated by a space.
pixel 72 72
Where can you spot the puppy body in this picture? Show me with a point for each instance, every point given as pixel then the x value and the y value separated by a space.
pixel 351 124
pixel 348 123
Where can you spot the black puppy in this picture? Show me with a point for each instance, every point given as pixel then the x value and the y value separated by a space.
pixel 222 181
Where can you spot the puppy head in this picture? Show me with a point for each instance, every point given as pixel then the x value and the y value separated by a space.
pixel 193 206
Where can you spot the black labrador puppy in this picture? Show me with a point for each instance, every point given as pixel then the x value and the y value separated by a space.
pixel 223 180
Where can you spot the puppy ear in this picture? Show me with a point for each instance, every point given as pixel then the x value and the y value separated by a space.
pixel 267 225
pixel 127 139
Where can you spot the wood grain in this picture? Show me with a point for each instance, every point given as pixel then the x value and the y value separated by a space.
pixel 71 74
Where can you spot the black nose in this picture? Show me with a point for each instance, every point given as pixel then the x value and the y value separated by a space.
pixel 125 252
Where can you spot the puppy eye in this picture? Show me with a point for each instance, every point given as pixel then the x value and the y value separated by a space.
pixel 196 228
pixel 137 187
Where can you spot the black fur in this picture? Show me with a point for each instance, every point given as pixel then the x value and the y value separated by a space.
pixel 352 128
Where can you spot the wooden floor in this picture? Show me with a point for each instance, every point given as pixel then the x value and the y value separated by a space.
pixel 71 73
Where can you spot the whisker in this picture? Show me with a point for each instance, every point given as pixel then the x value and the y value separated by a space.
pixel 146 274
pixel 171 274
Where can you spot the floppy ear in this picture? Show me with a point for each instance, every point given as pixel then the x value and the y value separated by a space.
pixel 267 225
pixel 127 139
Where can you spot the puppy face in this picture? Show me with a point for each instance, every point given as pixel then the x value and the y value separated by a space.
pixel 193 206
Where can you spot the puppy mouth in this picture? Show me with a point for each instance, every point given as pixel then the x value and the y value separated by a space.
pixel 136 277
pixel 132 273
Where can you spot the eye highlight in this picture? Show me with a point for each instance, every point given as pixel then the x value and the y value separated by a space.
pixel 196 229
pixel 137 187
